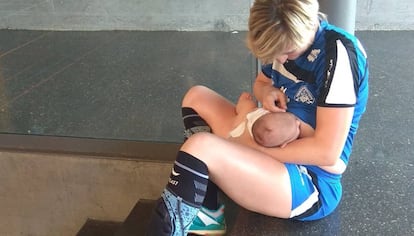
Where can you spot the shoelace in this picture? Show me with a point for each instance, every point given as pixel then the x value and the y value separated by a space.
pixel 180 218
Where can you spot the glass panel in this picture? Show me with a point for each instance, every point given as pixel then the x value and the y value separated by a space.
pixel 123 84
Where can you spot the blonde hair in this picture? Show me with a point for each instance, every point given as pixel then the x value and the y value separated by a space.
pixel 276 25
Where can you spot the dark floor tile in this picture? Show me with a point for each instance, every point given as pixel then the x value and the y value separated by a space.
pixel 12 40
pixel 127 85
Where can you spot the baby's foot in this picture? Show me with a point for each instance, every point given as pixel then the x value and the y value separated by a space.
pixel 245 96
pixel 245 103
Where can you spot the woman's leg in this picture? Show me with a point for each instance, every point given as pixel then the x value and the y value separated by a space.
pixel 181 198
pixel 252 179
pixel 218 112
pixel 204 110
pixel 238 170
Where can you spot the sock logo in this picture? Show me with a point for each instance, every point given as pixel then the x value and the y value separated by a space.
pixel 200 186
pixel 174 173
pixel 196 129
pixel 173 182
pixel 198 198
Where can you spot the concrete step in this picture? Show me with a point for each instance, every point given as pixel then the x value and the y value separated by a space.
pixel 60 192
pixel 240 222
pixel 99 228
pixel 137 220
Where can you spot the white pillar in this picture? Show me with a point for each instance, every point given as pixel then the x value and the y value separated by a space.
pixel 340 13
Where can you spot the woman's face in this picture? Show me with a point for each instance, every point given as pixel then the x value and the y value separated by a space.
pixel 293 52
pixel 290 54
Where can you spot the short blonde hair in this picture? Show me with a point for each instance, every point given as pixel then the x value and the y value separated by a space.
pixel 276 25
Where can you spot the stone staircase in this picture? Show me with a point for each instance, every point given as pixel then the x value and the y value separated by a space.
pixel 135 223
pixel 240 222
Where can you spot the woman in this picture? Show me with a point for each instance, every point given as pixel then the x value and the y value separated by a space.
pixel 307 64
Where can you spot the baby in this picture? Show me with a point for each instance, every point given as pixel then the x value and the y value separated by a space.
pixel 269 129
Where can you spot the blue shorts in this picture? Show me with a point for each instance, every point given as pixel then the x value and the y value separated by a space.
pixel 315 192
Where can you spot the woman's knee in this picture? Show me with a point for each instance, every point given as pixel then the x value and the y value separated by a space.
pixel 199 145
pixel 193 95
pixel 197 141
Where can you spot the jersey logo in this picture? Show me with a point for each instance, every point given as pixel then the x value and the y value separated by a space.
pixel 303 95
pixel 328 73
pixel 313 55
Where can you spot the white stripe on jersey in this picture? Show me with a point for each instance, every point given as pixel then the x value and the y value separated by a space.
pixel 342 87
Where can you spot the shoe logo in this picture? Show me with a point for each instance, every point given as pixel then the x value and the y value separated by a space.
pixel 206 219
pixel 174 173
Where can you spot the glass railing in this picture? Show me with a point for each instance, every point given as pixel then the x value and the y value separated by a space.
pixel 119 70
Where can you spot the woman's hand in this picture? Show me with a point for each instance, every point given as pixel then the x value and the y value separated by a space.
pixel 273 99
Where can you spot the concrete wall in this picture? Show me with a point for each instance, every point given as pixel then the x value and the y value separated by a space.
pixel 48 195
pixel 385 15
pixel 124 14
pixel 198 15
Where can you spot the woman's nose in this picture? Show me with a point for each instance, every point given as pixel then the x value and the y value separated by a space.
pixel 282 59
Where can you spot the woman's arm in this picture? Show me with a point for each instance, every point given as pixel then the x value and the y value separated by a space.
pixel 325 146
pixel 305 130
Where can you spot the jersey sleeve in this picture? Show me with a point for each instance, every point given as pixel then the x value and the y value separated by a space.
pixel 340 83
pixel 267 70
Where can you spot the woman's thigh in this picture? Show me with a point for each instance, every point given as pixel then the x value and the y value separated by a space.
pixel 252 179
pixel 216 110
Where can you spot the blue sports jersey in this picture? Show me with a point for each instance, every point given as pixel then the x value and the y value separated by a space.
pixel 333 72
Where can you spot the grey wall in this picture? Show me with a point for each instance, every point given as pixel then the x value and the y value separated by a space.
pixel 50 194
pixel 385 15
pixel 186 15
pixel 124 14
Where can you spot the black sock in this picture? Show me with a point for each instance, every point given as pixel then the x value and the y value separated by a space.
pixel 211 201
pixel 189 179
pixel 193 123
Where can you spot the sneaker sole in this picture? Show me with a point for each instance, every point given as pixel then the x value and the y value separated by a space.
pixel 208 232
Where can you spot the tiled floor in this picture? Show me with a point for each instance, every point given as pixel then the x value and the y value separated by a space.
pixel 116 85
pixel 128 85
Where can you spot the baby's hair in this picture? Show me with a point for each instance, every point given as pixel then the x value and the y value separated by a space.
pixel 274 129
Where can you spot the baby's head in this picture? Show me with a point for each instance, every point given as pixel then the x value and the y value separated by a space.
pixel 276 129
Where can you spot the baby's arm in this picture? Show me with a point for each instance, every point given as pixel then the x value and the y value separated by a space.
pixel 244 105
